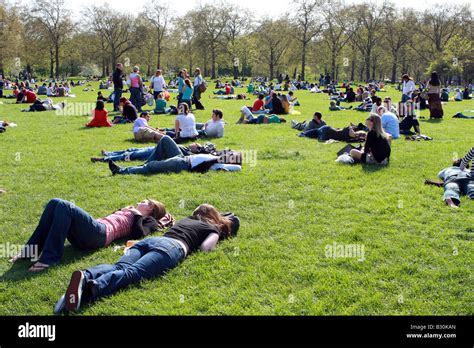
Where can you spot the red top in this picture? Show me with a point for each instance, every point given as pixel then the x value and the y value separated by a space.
pixel 118 225
pixel 99 119
pixel 227 89
pixel 257 105
pixel 30 96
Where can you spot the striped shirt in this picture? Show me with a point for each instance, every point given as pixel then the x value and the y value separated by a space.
pixel 468 158
pixel 118 225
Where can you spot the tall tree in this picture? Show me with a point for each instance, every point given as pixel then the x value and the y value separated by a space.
pixel 54 19
pixel 157 13
pixel 308 26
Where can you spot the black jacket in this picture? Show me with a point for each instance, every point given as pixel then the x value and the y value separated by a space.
pixel 117 78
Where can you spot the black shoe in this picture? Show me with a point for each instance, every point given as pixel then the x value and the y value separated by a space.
pixel 74 291
pixel 114 168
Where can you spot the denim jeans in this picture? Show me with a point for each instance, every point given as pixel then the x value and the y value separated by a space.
pixel 60 220
pixel 405 98
pixel 317 133
pixel 172 165
pixel 149 258
pixel 165 149
pixel 132 154
pixel 454 189
pixel 180 98
pixel 117 96
pixel 136 98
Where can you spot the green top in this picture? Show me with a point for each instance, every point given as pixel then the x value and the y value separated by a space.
pixel 273 119
pixel 160 105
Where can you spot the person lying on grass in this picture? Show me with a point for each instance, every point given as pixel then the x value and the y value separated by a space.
pixel 377 145
pixel 147 153
pixel 168 158
pixel 247 117
pixel 305 126
pixel 457 181
pixel 350 134
pixel 63 220
pixel 334 107
pixel 150 257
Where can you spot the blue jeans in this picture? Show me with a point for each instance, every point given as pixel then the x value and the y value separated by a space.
pixel 60 220
pixel 317 133
pixel 172 165
pixel 132 154
pixel 136 98
pixel 117 96
pixel 405 98
pixel 149 258
pixel 165 149
pixel 454 189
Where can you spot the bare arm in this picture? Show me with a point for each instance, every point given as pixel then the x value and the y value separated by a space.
pixel 210 242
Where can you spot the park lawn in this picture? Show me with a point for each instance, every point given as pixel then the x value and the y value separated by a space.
pixel 292 203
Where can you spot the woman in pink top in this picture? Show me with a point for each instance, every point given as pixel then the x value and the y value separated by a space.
pixel 136 88
pixel 63 220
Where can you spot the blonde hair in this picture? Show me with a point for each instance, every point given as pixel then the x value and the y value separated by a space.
pixel 209 214
pixel 159 209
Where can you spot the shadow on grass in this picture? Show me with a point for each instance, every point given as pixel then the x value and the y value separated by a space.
pixel 19 270
pixel 372 168
pixel 432 120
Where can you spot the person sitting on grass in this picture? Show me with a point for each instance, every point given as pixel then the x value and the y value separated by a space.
pixel 63 220
pixel 387 103
pixel 292 99
pixel 214 128
pixel 143 133
pixel 258 105
pixel 315 123
pixel 350 96
pixel 168 158
pixel 377 103
pixel 457 181
pixel 458 96
pixel 160 105
pixel 334 107
pixel 99 116
pixel 185 125
pixel 277 105
pixel 42 90
pixel 151 257
pixel 377 145
pixel 444 95
pixel 100 96
pixel 129 112
pixel 466 94
pixel 226 91
pixel 366 106
pixel 390 122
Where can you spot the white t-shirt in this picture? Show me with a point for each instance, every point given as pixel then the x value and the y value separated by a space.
pixel 197 80
pixel 198 159
pixel 408 87
pixel 158 83
pixel 215 129
pixel 187 125
pixel 139 123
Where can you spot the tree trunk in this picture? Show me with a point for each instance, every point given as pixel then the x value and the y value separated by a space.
pixel 353 66
pixel 236 70
pixel 367 67
pixel 51 62
pixel 333 65
pixel 56 55
pixel 158 60
pixel 303 61
pixel 213 63
pixel 103 68
pixel 394 70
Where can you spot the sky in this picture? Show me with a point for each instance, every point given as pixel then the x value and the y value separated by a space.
pixel 272 8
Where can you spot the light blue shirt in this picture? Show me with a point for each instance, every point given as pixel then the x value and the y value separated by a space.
pixel 390 124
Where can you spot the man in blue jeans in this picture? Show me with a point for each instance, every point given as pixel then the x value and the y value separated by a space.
pixel 456 182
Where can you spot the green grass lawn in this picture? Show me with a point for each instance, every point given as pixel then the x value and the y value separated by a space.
pixel 293 203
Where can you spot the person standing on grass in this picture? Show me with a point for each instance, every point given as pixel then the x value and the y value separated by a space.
pixel 434 100
pixel 117 78
pixel 63 220
pixel 136 88
pixel 157 83
pixel 408 88
pixel 198 81
pixel 151 257
pixel 187 93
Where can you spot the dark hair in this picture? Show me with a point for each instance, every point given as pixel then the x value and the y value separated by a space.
pixel 434 81
pixel 218 113
pixel 260 96
pixel 457 163
pixel 143 114
pixel 318 115
pixel 100 105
